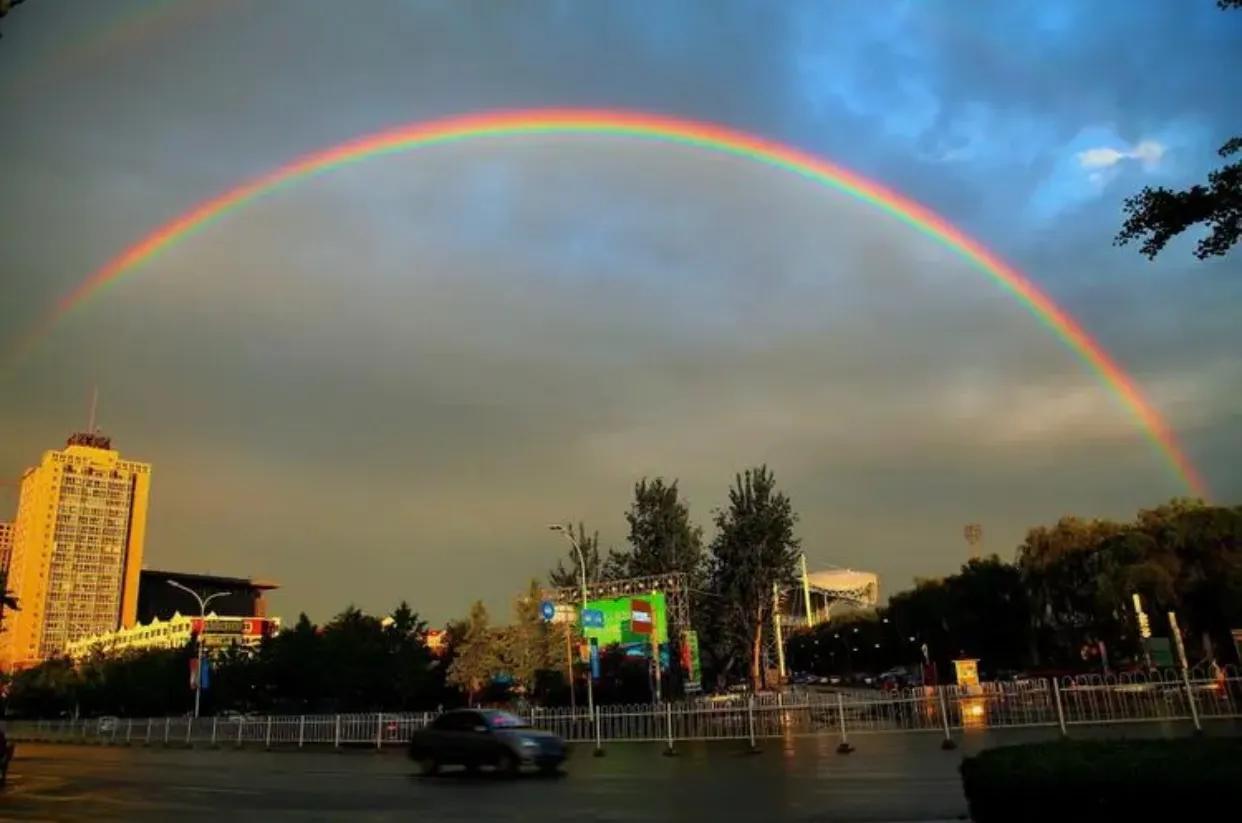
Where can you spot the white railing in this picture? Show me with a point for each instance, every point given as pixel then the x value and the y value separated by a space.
pixel 1159 697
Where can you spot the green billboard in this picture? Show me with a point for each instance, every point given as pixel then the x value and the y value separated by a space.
pixel 628 620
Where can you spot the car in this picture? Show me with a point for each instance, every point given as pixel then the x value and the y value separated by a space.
pixel 485 737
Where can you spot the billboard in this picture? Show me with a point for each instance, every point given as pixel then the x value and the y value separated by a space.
pixel 690 661
pixel 629 620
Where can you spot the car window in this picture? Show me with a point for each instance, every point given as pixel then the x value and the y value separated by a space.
pixel 469 720
pixel 505 720
pixel 453 722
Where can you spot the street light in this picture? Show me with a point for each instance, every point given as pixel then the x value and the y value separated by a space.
pixel 569 535
pixel 202 630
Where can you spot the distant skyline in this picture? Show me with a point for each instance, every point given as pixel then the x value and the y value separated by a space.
pixel 382 383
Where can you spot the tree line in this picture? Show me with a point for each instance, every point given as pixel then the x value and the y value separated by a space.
pixel 1064 604
pixel 357 662
pixel 729 583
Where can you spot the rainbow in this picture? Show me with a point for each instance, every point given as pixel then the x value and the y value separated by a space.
pixel 668 130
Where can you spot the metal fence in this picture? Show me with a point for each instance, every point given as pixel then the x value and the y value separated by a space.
pixel 1196 697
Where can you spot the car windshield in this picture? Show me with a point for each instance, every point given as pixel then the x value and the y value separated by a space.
pixel 505 720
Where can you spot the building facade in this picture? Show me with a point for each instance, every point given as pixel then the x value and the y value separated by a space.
pixel 218 632
pixel 239 596
pixel 77 549
pixel 6 545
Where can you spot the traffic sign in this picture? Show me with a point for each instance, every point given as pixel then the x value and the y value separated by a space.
pixel 548 609
pixel 592 619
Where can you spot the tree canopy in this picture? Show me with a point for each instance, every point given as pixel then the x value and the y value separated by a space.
pixel 1066 597
pixel 596 569
pixel 754 550
pixel 1157 215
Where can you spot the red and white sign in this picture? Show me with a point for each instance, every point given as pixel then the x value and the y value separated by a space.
pixel 640 617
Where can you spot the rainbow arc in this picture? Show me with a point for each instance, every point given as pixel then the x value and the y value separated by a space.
pixel 659 128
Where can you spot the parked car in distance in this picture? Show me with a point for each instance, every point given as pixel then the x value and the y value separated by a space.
pixel 485 737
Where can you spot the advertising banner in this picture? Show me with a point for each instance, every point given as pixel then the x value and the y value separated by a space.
pixel 627 621
pixel 690 661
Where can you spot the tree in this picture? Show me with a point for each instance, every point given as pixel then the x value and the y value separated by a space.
pixel 662 539
pixel 477 660
pixel 292 668
pixel 1182 556
pixel 7 5
pixel 409 661
pixel 596 570
pixel 8 601
pixel 754 550
pixel 1158 215
pixel 47 690
pixel 528 646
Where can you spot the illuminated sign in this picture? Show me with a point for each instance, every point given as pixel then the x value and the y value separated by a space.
pixel 627 621
pixel 967 672
pixel 640 617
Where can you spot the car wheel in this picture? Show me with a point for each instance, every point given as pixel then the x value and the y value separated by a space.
pixel 429 766
pixel 507 764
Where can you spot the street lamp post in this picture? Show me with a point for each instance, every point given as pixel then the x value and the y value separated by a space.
pixel 202 630
pixel 569 535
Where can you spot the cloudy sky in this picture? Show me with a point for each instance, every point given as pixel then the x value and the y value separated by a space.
pixel 382 383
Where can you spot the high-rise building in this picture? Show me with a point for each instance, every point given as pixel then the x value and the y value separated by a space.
pixel 77 549
pixel 6 545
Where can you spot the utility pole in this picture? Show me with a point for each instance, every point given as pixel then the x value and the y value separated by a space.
pixel 90 423
pixel 569 665
pixel 776 631
pixel 567 530
pixel 974 536
pixel 202 631
pixel 806 594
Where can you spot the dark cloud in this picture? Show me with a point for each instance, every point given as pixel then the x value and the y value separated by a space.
pixel 383 382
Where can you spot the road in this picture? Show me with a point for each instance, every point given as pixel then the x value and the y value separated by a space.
pixel 889 778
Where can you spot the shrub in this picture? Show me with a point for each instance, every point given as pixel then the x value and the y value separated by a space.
pixel 1102 780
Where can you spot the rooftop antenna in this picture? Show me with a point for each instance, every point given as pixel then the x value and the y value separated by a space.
pixel 90 425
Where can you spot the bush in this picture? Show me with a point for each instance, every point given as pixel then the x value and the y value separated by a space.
pixel 1103 780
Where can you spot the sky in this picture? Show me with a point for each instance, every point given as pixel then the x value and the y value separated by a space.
pixel 384 382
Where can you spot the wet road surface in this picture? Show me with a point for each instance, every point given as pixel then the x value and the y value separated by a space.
pixel 889 778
